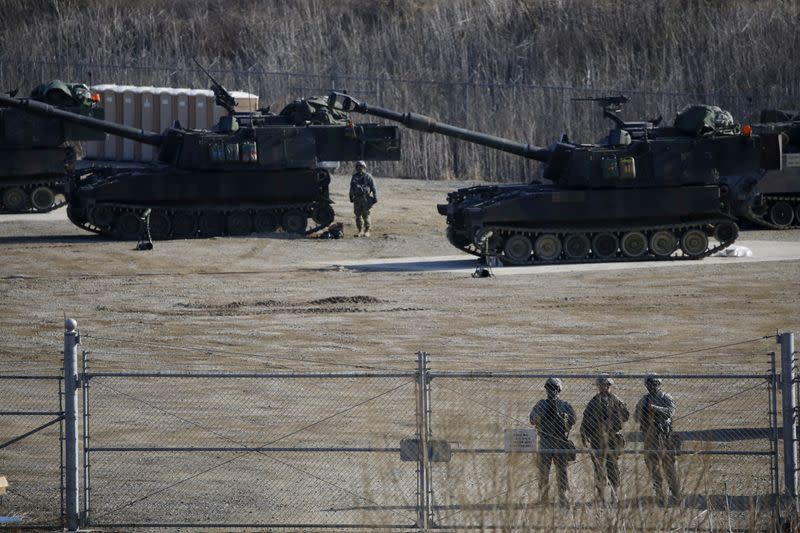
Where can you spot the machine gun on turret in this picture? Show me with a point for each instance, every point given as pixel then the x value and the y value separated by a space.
pixel 612 104
pixel 222 97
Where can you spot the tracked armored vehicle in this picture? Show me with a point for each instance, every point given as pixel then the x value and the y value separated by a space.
pixel 777 205
pixel 644 192
pixel 35 159
pixel 254 172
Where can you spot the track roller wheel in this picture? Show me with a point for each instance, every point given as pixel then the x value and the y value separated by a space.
pixel 517 249
pixel 239 223
pixel 265 222
pixel 43 198
pixel 128 226
pixel 797 213
pixel 15 199
pixel 726 231
pixel 634 244
pixel 323 215
pixel 212 223
pixel 184 225
pixel 160 225
pixel 781 214
pixel 576 246
pixel 294 222
pixel 694 243
pixel 663 243
pixel 101 216
pixel 547 247
pixel 604 245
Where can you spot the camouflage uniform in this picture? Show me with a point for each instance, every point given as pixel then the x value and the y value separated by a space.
pixel 553 419
pixel 601 429
pixel 364 196
pixel 654 413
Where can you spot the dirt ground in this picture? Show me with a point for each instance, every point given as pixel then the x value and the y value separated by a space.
pixel 278 302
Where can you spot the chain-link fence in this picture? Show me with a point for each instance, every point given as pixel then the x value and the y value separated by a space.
pixel 408 449
pixel 537 114
pixel 712 446
pixel 254 449
pixel 30 449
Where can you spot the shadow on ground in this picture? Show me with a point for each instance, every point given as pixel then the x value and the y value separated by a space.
pixel 433 265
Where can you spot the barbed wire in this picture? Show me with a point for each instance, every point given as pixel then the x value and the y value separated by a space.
pixel 383 78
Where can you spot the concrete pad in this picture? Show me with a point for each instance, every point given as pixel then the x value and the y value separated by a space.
pixel 763 251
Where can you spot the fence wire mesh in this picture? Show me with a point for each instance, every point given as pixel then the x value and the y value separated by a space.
pixel 262 450
pixel 30 449
pixel 331 450
pixel 723 466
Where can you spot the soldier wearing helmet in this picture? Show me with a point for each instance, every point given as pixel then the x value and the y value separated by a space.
pixel 654 413
pixel 553 419
pixel 601 429
pixel 363 195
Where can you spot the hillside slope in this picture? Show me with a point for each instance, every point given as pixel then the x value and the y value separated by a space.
pixel 508 67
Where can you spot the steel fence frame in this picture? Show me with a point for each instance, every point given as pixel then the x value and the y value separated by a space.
pixel 91 450
pixel 20 439
pixel 430 437
pixel 425 381
pixel 767 435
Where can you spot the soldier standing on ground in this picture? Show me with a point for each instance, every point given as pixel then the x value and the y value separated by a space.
pixel 553 419
pixel 601 429
pixel 654 413
pixel 364 196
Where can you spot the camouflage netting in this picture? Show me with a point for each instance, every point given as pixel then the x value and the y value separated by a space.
pixel 59 93
pixel 704 119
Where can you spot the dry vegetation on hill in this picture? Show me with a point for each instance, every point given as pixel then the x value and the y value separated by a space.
pixel 736 53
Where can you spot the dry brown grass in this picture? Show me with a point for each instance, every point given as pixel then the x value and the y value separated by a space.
pixel 718 48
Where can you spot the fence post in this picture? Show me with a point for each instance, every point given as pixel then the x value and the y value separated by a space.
pixel 774 441
pixel 71 341
pixel 789 404
pixel 423 436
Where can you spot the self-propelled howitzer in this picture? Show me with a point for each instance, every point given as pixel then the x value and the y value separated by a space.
pixel 36 158
pixel 777 205
pixel 252 172
pixel 642 193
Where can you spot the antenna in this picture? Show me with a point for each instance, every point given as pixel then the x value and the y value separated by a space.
pixel 221 95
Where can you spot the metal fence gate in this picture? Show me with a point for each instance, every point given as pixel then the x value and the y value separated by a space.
pixel 265 450
pixel 31 449
pixel 392 450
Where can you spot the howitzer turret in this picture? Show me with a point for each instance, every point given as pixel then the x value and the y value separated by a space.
pixel 252 172
pixel 35 159
pixel 644 192
pixel 777 205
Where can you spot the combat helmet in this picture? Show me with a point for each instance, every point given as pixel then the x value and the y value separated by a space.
pixel 553 383
pixel 604 379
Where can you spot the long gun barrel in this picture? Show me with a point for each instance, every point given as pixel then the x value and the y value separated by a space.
pixel 44 110
pixel 345 102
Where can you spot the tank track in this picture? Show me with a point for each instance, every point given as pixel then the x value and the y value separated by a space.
pixel 769 202
pixel 705 226
pixel 55 185
pixel 196 213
